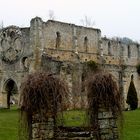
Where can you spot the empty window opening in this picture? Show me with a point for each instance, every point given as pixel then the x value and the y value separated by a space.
pixel 58 40
pixel 129 51
pixel 12 34
pixel 4 35
pixel 109 48
pixel 25 63
pixel 132 77
pixel 86 44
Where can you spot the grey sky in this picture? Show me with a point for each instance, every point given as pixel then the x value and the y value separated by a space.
pixel 113 17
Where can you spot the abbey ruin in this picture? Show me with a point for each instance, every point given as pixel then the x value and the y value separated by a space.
pixel 62 49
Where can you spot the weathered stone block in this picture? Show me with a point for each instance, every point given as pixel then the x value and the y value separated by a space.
pixel 104 123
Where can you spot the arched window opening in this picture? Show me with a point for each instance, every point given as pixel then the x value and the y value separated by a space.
pixel 86 44
pixel 4 35
pixel 129 51
pixel 109 48
pixel 132 77
pixel 25 63
pixel 58 40
pixel 12 34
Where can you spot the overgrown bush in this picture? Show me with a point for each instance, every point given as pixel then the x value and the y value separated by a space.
pixel 132 98
pixel 41 94
pixel 103 92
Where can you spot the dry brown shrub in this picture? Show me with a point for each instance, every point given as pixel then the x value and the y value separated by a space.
pixel 103 92
pixel 41 94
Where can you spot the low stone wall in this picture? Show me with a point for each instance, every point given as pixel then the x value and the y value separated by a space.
pixel 42 129
pixel 107 126
pixel 75 133
pixel 46 130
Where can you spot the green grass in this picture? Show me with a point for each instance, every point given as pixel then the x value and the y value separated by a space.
pixel 75 118
pixel 131 125
pixel 9 123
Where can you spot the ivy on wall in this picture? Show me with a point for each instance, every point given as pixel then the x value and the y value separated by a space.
pixel 91 65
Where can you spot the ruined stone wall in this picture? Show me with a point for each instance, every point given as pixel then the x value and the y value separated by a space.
pixel 108 129
pixel 115 51
pixel 111 51
pixel 66 43
pixel 71 37
pixel 15 54
pixel 122 59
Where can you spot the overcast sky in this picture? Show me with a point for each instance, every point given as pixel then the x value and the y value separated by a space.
pixel 113 17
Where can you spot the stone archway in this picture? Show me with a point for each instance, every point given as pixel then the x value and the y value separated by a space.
pixel 11 91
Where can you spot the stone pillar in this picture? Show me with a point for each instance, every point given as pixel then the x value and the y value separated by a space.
pixel 37 41
pixel 66 75
pixel 108 129
pixel 4 99
pixel 42 128
pixel 76 85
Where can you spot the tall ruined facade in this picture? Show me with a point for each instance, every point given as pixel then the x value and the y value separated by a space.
pixel 62 48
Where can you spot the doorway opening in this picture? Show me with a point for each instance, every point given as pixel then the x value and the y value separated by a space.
pixel 11 91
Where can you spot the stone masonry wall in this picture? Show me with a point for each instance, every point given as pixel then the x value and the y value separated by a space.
pixel 42 130
pixel 66 43
pixel 86 44
pixel 108 129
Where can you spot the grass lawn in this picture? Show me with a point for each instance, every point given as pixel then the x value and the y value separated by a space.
pixel 9 123
pixel 131 125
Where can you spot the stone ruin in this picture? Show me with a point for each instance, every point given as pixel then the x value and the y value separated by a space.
pixel 63 49
pixel 103 111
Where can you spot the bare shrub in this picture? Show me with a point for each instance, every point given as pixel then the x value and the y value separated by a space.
pixel 41 94
pixel 103 92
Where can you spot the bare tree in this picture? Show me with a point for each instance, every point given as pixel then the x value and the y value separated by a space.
pixel 87 22
pixel 51 15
